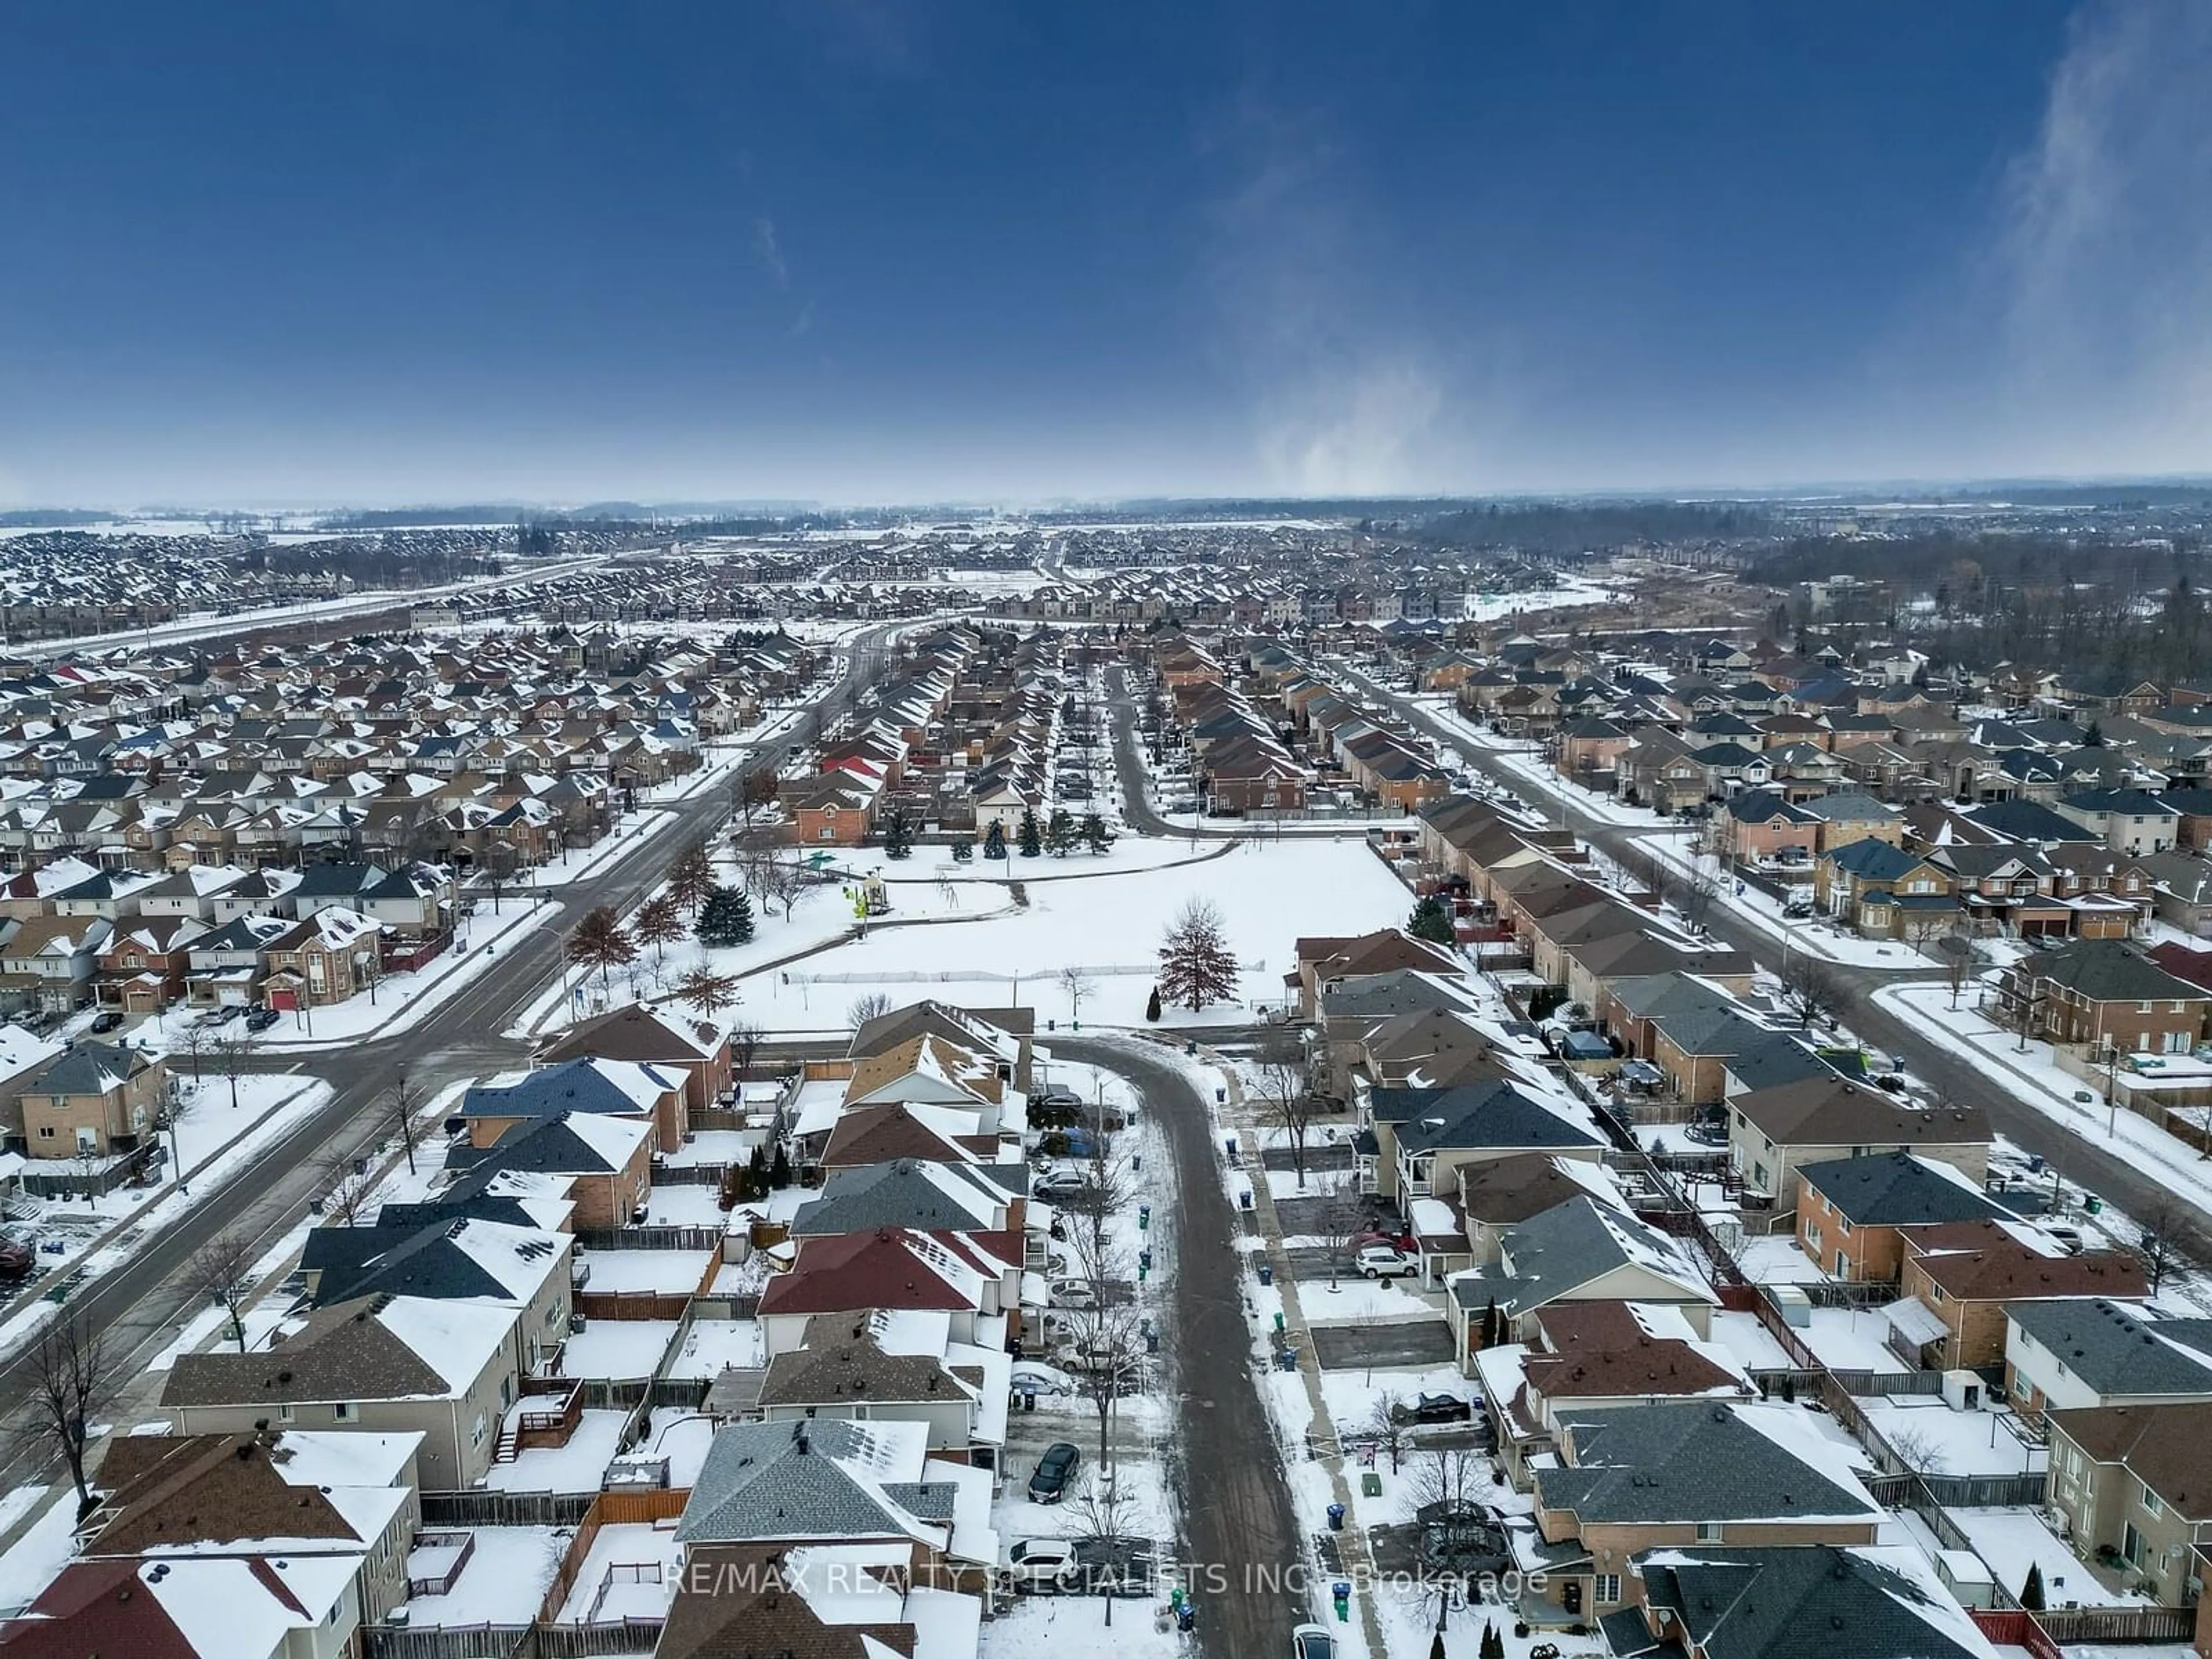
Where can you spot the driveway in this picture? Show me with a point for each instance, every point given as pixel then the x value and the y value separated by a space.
pixel 1409 1343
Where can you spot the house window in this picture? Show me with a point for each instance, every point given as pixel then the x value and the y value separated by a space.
pixel 2143 1007
pixel 1842 1227
pixel 46 1132
pixel 1935 1292
pixel 1606 1590
pixel 1709 1532
pixel 2132 1546
pixel 1842 1265
pixel 344 1411
pixel 2151 1501
pixel 284 1413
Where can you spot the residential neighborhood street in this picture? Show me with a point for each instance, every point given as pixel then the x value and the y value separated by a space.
pixel 1241 1536
pixel 2076 1158
pixel 137 1303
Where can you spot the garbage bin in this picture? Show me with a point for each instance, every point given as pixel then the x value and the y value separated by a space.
pixel 1220 1097
pixel 2093 1204
pixel 1143 1217
pixel 1279 1321
pixel 1244 1198
pixel 1266 1272
pixel 1340 1593
pixel 1228 1145
pixel 1336 1517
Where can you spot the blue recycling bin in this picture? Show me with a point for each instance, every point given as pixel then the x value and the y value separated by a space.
pixel 1336 1517
pixel 1266 1272
pixel 1244 1198
pixel 1228 1145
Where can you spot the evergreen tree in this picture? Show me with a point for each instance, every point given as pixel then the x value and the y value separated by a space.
pixel 1436 1646
pixel 1431 920
pixel 726 918
pixel 1096 836
pixel 1197 967
pixel 2094 737
pixel 756 1182
pixel 1153 1007
pixel 779 1171
pixel 964 852
pixel 1059 835
pixel 898 834
pixel 994 842
pixel 2031 1593
pixel 1029 836
pixel 1493 1643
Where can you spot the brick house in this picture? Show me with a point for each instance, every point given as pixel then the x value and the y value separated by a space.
pixel 1968 1276
pixel 1854 1214
pixel 2101 994
pixel 1680 1475
pixel 2136 1480
pixel 326 958
pixel 92 1100
pixel 143 969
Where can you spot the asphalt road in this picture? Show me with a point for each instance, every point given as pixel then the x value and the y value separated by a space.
pixel 2080 1160
pixel 1243 1536
pixel 135 1306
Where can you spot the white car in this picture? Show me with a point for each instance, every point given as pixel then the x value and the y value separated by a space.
pixel 1041 1563
pixel 1382 1262
pixel 1313 1641
pixel 1074 1293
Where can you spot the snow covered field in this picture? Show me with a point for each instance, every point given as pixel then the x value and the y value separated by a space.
pixel 1111 921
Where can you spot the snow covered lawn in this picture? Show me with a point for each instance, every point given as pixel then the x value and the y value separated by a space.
pixel 1852 1339
pixel 580 1466
pixel 619 1349
pixel 1363 1301
pixel 1950 1441
pixel 503 1583
pixel 2009 1539
pixel 687 1205
pixel 44 1549
pixel 631 1572
pixel 670 1271
pixel 710 1345
pixel 1110 922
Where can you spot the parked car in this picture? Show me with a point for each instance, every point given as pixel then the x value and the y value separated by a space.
pixel 1059 1184
pixel 260 1019
pixel 1441 1408
pixel 1037 1565
pixel 1384 1261
pixel 222 1016
pixel 1313 1641
pixel 1055 1473
pixel 1374 1234
pixel 107 1021
pixel 1032 1376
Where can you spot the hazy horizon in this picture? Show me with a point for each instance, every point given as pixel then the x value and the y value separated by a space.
pixel 853 253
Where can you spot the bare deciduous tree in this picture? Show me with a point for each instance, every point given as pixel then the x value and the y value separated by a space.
pixel 1283 1088
pixel 874 1005
pixel 71 1378
pixel 1076 985
pixel 223 1271
pixel 1102 1512
pixel 231 1048
pixel 1918 1450
pixel 745 1039
pixel 1388 1428
pixel 1810 989
pixel 346 1197
pixel 779 882
pixel 2171 1240
pixel 706 992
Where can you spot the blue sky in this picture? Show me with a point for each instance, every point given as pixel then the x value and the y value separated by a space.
pixel 857 250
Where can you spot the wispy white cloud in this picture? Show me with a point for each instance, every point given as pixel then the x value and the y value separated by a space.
pixel 771 251
pixel 2103 263
pixel 805 321
pixel 1350 382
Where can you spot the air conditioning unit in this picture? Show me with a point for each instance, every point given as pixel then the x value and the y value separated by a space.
pixel 576 1324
